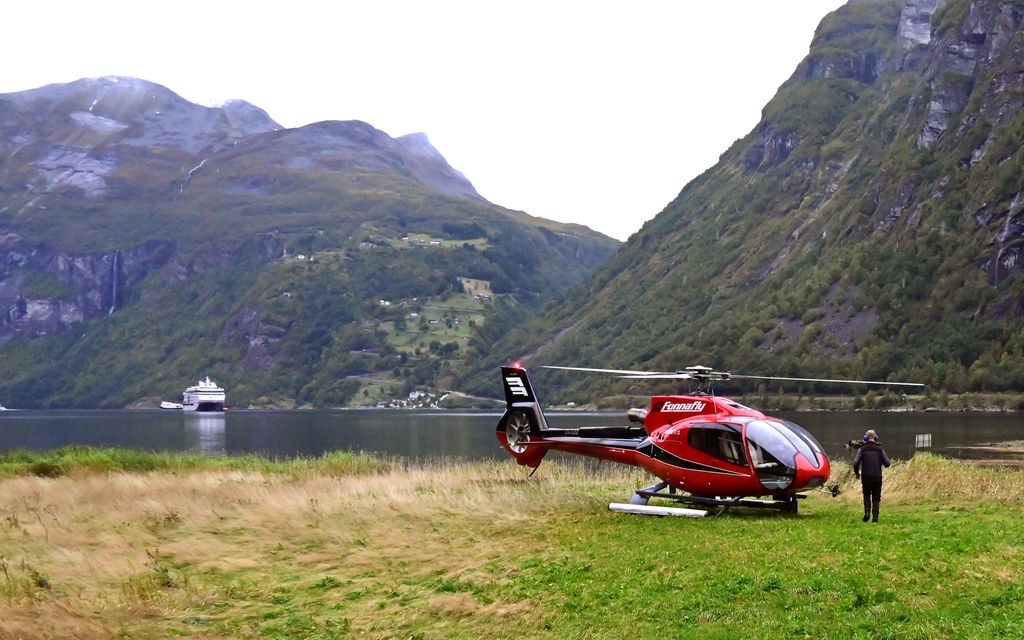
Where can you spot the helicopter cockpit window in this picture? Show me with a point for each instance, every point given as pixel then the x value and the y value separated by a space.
pixel 722 441
pixel 772 454
pixel 803 440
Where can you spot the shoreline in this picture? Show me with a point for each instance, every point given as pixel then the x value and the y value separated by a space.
pixel 580 408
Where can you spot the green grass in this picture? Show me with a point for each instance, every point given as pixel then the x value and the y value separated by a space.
pixel 371 393
pixel 465 308
pixel 426 240
pixel 474 286
pixel 44 285
pixel 78 459
pixel 926 573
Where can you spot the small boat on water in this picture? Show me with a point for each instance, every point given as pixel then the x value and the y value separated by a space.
pixel 3 408
pixel 205 396
pixel 170 405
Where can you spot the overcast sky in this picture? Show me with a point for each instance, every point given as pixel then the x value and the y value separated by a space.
pixel 581 111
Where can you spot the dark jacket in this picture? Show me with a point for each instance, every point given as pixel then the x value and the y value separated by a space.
pixel 869 461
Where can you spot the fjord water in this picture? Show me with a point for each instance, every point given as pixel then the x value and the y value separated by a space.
pixel 465 435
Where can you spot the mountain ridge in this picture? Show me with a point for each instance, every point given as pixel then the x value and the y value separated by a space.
pixel 155 240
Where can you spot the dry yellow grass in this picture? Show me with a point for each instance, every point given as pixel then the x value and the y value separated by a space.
pixel 928 477
pixel 96 555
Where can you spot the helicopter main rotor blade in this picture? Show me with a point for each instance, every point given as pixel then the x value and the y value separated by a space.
pixel 639 374
pixel 737 376
pixel 660 376
pixel 704 373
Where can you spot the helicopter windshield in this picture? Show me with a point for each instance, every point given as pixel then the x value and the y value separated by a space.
pixel 805 442
pixel 773 454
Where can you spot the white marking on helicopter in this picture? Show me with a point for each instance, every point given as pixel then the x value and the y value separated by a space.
pixel 516 386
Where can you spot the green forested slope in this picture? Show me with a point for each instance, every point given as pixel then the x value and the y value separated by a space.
pixel 869 226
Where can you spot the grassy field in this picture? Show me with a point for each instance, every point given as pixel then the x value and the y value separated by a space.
pixel 426 240
pixel 114 544
pixel 438 318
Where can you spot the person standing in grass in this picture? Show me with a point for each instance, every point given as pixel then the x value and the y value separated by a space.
pixel 867 466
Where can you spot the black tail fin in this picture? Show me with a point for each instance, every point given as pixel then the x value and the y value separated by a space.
pixel 521 429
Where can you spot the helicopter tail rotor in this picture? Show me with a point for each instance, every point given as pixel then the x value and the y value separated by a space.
pixel 521 427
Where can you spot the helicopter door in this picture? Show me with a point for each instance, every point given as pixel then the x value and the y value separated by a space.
pixel 772 455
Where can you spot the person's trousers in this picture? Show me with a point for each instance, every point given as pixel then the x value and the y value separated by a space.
pixel 872 496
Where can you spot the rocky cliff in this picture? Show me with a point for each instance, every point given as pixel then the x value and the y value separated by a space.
pixel 45 291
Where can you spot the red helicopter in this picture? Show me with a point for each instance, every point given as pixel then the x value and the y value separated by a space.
pixel 707 450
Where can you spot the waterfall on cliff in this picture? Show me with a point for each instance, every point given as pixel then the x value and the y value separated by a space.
pixel 113 282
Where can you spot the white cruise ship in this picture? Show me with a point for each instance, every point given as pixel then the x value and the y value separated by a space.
pixel 205 396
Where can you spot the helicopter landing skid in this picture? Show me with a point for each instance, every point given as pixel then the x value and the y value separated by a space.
pixel 786 504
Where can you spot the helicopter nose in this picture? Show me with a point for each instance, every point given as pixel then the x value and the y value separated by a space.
pixel 809 476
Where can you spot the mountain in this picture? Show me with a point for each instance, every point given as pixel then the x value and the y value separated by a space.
pixel 870 226
pixel 146 241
